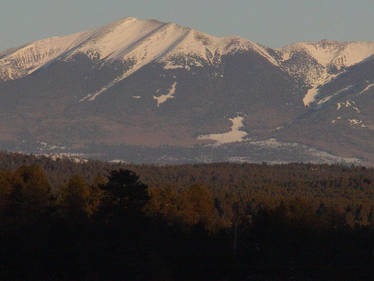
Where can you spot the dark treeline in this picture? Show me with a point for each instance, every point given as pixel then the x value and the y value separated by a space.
pixel 61 220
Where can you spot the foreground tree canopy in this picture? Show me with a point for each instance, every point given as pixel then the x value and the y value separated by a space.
pixel 200 222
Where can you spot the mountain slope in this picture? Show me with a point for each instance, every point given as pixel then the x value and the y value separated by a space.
pixel 142 41
pixel 170 91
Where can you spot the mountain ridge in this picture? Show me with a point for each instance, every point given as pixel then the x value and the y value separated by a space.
pixel 113 45
pixel 329 58
pixel 77 41
pixel 148 83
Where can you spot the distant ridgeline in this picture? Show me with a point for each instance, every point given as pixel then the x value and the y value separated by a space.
pixel 60 220
pixel 216 176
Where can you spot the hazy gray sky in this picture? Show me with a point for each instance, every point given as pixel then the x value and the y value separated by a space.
pixel 270 22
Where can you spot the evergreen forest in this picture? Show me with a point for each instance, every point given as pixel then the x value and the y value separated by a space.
pixel 63 220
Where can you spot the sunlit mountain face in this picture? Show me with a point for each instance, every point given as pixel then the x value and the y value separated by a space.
pixel 152 92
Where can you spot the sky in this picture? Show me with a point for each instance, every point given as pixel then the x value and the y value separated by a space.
pixel 274 23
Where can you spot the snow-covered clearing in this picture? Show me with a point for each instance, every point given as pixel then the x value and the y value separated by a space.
pixel 234 135
pixel 170 95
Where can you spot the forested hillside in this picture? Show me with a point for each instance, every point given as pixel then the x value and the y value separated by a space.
pixel 61 220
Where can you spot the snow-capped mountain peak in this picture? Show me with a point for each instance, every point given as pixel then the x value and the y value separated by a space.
pixel 323 61
pixel 327 52
pixel 141 40
pixel 25 60
pixel 145 41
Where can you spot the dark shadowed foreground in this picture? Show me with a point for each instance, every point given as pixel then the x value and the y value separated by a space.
pixel 203 222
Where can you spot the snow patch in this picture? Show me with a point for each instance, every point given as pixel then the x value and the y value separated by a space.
pixel 170 65
pixel 348 104
pixel 366 89
pixel 318 155
pixel 170 95
pixel 234 135
pixel 136 97
pixel 356 122
pixel 326 99
pixel 49 147
pixel 312 93
pixel 273 143
pixel 75 157
pixel 117 161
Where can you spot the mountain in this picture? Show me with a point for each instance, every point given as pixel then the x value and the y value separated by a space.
pixel 147 91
